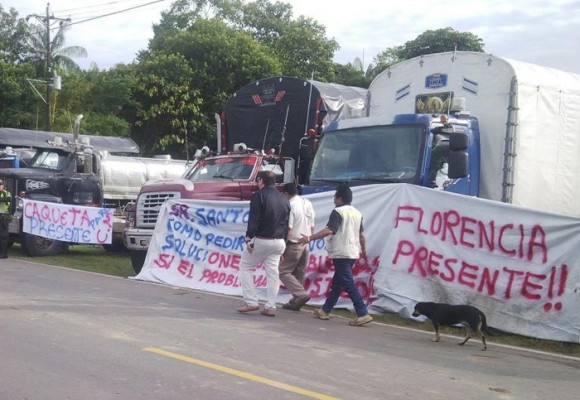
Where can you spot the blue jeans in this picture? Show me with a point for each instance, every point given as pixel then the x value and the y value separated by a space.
pixel 343 280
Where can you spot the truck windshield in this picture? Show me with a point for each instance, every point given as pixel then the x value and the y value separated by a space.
pixel 49 159
pixel 223 168
pixel 388 153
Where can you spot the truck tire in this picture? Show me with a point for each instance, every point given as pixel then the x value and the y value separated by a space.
pixel 37 246
pixel 138 259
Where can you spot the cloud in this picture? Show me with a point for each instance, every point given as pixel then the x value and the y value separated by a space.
pixel 534 31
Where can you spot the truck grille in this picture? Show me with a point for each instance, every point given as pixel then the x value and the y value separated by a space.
pixel 148 206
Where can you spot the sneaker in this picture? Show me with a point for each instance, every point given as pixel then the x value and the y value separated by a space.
pixel 360 321
pixel 268 312
pixel 320 314
pixel 248 308
pixel 290 306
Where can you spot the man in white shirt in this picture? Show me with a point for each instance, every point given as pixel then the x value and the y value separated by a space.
pixel 293 264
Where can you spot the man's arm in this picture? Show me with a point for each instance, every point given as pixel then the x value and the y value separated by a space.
pixel 363 243
pixel 324 232
pixel 331 227
pixel 362 239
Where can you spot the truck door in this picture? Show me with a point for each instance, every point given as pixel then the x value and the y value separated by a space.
pixel 85 188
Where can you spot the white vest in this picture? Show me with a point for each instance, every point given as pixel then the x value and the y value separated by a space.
pixel 345 243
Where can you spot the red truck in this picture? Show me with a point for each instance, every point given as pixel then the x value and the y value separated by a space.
pixel 270 124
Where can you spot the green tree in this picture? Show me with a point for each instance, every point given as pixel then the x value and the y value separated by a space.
pixel 302 49
pixel 300 44
pixel 101 97
pixel 351 75
pixel 382 61
pixel 167 99
pixel 61 55
pixel 17 99
pixel 186 76
pixel 429 42
pixel 17 102
pixel 13 36
pixel 439 41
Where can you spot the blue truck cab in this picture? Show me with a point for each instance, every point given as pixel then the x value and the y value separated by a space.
pixel 439 151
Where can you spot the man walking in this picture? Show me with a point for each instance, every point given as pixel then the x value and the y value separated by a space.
pixel 293 265
pixel 346 241
pixel 266 241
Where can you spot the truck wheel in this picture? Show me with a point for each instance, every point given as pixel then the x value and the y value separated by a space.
pixel 37 246
pixel 138 259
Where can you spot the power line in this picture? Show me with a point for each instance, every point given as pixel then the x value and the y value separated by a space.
pixel 108 8
pixel 100 5
pixel 115 12
pixel 38 32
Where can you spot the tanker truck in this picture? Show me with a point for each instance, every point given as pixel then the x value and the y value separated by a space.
pixel 78 170
pixel 518 143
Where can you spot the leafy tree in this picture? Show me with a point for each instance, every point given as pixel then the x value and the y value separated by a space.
pixel 350 75
pixel 17 100
pixel 186 76
pixel 61 56
pixel 101 96
pixel 429 42
pixel 302 50
pixel 382 61
pixel 439 41
pixel 299 44
pixel 13 34
pixel 166 99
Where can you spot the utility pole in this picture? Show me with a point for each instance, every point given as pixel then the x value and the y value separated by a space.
pixel 47 22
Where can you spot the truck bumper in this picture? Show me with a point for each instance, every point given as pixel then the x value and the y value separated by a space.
pixel 137 239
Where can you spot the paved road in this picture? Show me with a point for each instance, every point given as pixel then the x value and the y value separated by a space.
pixel 67 334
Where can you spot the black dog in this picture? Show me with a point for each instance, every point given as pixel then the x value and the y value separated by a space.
pixel 446 315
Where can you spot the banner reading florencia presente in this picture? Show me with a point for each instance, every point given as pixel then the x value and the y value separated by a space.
pixel 517 265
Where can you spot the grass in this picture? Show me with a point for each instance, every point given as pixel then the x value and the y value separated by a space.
pixel 96 259
pixel 85 258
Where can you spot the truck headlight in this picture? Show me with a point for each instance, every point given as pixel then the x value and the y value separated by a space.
pixel 82 198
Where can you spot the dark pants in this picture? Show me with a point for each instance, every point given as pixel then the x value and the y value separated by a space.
pixel 343 280
pixel 4 235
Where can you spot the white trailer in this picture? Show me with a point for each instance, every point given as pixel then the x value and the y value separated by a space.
pixel 529 119
pixel 123 176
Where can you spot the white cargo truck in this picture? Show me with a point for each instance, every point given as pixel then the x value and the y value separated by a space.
pixel 529 121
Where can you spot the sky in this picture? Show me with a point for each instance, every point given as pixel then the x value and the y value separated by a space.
pixel 535 31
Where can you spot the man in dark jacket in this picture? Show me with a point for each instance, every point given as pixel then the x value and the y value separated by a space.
pixel 266 242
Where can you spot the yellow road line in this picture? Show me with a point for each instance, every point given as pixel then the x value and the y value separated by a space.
pixel 240 374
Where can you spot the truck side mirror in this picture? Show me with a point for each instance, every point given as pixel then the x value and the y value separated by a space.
pixel 458 155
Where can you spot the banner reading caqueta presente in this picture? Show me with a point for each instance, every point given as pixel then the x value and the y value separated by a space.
pixel 68 223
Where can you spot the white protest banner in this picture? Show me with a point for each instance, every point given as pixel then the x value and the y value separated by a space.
pixel 517 265
pixel 68 223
